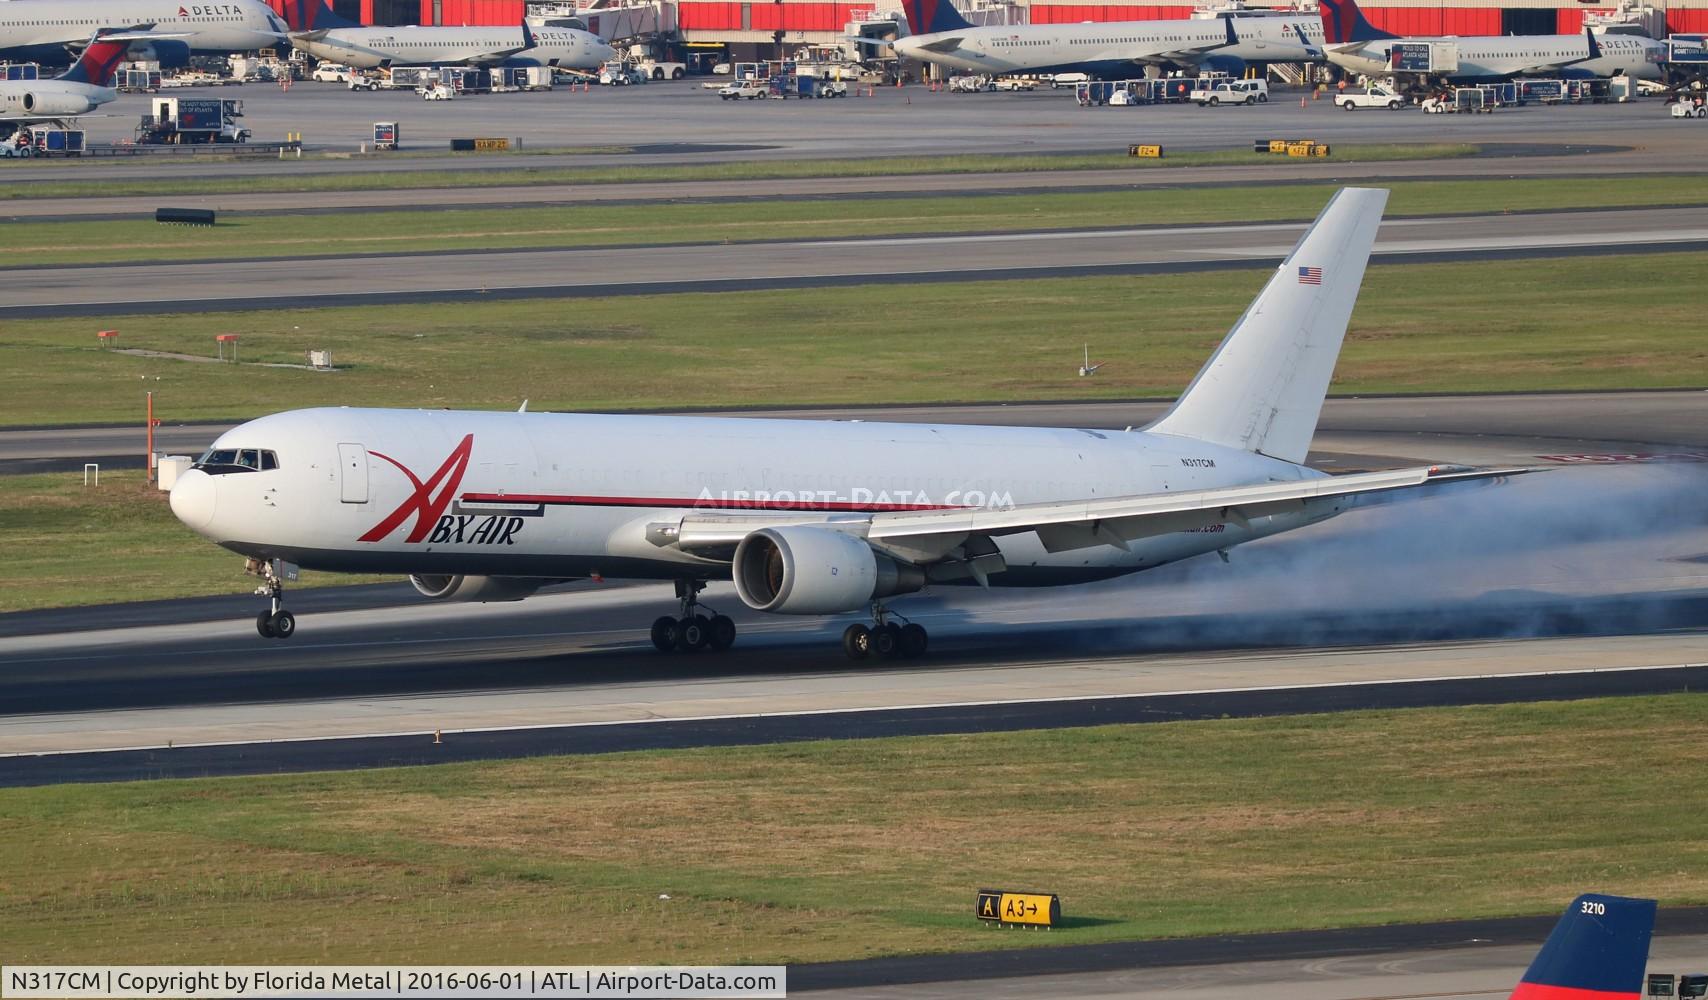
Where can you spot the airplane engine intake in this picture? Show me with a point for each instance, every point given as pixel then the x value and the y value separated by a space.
pixel 466 589
pixel 808 570
pixel 56 104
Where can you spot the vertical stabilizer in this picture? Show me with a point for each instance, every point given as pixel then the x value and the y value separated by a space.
pixel 100 59
pixel 1263 389
pixel 314 15
pixel 927 16
pixel 1343 22
pixel 1598 949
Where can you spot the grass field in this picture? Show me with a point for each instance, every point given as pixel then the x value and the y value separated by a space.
pixel 114 185
pixel 1586 323
pixel 846 849
pixel 68 544
pixel 606 225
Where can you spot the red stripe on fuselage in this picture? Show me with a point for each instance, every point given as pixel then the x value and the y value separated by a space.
pixel 555 500
pixel 1542 991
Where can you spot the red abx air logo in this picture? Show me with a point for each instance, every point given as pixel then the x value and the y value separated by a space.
pixel 424 503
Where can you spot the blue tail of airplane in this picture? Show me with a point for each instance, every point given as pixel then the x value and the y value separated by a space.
pixel 927 16
pixel 1596 952
pixel 314 15
pixel 1343 22
pixel 98 61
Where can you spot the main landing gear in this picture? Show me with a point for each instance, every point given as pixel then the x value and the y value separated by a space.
pixel 884 637
pixel 691 630
pixel 275 622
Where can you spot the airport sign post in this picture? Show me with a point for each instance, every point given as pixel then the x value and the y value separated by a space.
pixel 1031 909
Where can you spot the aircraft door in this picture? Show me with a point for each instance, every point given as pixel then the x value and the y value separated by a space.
pixel 353 473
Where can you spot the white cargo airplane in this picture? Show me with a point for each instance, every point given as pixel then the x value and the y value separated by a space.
pixel 79 90
pixel 1354 44
pixel 44 30
pixel 322 33
pixel 809 517
pixel 1109 50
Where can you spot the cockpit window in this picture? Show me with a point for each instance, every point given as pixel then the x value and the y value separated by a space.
pixel 222 461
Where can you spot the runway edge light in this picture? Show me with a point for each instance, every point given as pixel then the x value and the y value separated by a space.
pixel 1031 909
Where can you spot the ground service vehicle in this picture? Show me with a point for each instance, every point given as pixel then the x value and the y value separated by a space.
pixel 1232 92
pixel 750 89
pixel 192 121
pixel 331 73
pixel 1373 96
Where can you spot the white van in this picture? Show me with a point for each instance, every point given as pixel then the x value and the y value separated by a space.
pixel 1232 92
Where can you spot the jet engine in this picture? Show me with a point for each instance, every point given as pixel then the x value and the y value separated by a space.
pixel 56 104
pixel 467 589
pixel 169 53
pixel 1233 66
pixel 808 570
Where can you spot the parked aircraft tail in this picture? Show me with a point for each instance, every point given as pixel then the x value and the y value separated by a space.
pixel 314 15
pixel 1598 949
pixel 1263 388
pixel 927 16
pixel 101 58
pixel 1343 22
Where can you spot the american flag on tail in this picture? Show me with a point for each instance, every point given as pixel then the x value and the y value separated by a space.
pixel 1310 275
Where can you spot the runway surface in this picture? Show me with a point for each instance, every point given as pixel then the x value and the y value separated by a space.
pixel 1489 430
pixel 1462 960
pixel 482 275
pixel 681 122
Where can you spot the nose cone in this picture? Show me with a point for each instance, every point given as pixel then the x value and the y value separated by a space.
pixel 193 498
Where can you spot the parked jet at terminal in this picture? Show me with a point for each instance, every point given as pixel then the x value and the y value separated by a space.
pixel 45 31
pixel 808 517
pixel 1111 50
pixel 1354 44
pixel 78 91
pixel 322 33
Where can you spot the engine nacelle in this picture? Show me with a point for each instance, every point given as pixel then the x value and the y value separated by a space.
pixel 465 589
pixel 802 569
pixel 1233 66
pixel 168 52
pixel 56 104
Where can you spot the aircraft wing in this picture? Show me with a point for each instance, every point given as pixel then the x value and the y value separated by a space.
pixel 1190 53
pixel 928 535
pixel 1543 69
pixel 497 56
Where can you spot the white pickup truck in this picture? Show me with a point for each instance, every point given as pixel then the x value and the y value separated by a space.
pixel 1231 92
pixel 753 90
pixel 1373 96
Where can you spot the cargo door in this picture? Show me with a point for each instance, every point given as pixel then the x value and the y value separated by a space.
pixel 353 473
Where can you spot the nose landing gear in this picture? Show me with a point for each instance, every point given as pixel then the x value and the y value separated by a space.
pixel 885 637
pixel 691 630
pixel 275 622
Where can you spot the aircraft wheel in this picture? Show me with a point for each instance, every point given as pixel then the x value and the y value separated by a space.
pixel 913 641
pixel 665 632
pixel 694 633
pixel 886 639
pixel 722 633
pixel 284 625
pixel 857 641
pixel 264 624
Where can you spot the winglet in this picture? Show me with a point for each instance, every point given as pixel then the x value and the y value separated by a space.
pixel 1233 39
pixel 1598 949
pixel 1594 46
pixel 527 35
pixel 1263 389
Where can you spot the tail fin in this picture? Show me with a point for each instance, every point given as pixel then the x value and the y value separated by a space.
pixel 1344 22
pixel 927 16
pixel 1263 389
pixel 314 15
pixel 99 60
pixel 1598 949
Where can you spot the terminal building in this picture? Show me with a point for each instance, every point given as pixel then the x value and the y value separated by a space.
pixel 770 29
